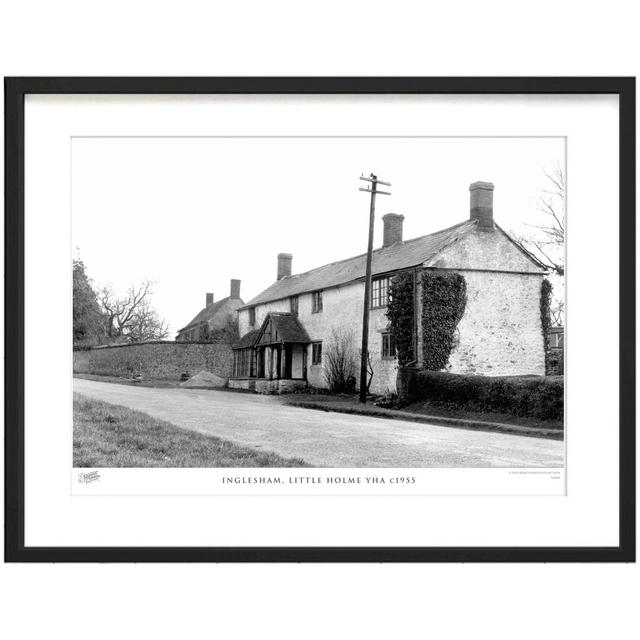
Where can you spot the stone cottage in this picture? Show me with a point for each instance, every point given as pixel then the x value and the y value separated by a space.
pixel 217 321
pixel 285 331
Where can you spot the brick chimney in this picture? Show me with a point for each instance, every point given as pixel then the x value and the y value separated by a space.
pixel 209 299
pixel 284 265
pixel 392 232
pixel 482 204
pixel 234 291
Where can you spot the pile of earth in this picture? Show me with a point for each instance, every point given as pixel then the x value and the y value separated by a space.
pixel 205 380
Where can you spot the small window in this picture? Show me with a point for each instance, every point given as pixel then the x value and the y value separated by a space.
pixel 294 305
pixel 379 292
pixel 317 302
pixel 555 340
pixel 316 353
pixel 388 346
pixel 252 316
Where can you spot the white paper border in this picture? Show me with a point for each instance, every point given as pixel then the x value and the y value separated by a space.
pixel 587 516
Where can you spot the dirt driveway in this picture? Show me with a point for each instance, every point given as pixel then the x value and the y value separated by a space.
pixel 327 439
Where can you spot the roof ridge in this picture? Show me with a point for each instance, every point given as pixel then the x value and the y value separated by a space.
pixel 194 321
pixel 399 255
pixel 360 255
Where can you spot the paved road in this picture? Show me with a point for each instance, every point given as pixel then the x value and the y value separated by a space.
pixel 327 439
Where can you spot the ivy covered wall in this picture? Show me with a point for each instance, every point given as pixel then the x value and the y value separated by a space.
pixel 400 312
pixel 471 322
pixel 444 299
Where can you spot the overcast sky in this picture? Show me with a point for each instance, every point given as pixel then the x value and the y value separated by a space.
pixel 191 213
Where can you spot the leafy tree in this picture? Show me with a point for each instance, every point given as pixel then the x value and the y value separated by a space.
pixel 87 319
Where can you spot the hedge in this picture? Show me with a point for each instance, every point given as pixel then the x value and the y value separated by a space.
pixel 555 362
pixel 539 397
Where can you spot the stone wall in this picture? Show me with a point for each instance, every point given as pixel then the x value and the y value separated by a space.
pixel 488 250
pixel 500 332
pixel 158 360
pixel 81 361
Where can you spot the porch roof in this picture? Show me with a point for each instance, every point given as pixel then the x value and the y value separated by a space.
pixel 247 340
pixel 288 328
pixel 277 328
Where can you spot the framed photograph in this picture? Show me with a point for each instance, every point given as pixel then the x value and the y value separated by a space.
pixel 320 319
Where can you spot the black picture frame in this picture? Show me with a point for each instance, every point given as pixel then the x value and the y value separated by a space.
pixel 15 91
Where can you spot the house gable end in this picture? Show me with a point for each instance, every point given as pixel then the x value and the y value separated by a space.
pixel 215 316
pixel 482 250
pixel 265 335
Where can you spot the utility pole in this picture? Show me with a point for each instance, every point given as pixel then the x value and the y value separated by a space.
pixel 373 190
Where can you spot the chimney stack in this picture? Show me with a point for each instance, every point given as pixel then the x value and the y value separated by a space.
pixel 392 232
pixel 234 291
pixel 482 204
pixel 209 299
pixel 284 265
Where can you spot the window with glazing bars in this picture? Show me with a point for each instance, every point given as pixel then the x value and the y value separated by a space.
pixel 316 353
pixel 317 301
pixel 388 346
pixel 379 292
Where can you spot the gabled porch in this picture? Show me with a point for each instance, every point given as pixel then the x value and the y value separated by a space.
pixel 272 359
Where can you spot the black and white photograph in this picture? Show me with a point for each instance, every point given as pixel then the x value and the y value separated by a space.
pixel 318 301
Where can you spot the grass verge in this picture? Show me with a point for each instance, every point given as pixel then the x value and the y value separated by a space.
pixel 109 435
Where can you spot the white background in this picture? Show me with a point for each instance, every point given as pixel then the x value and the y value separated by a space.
pixel 336 601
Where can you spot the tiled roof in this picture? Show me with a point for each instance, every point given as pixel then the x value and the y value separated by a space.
pixel 284 327
pixel 400 255
pixel 288 328
pixel 205 314
pixel 247 340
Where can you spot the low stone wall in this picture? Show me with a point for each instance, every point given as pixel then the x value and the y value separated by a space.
pixel 279 386
pixel 242 383
pixel 260 385
pixel 158 360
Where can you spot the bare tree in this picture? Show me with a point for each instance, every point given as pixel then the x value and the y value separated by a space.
pixel 130 317
pixel 545 241
pixel 340 361
pixel 556 312
pixel 146 325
